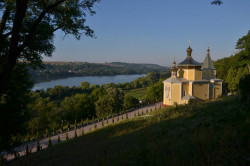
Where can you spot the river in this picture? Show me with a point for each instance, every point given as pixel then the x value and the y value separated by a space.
pixel 76 81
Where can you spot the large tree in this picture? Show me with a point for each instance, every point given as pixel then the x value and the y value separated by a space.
pixel 27 30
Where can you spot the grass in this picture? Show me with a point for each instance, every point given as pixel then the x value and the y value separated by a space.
pixel 212 133
pixel 137 93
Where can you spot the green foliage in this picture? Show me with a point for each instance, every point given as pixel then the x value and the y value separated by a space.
pixel 13 108
pixel 95 125
pixel 49 142
pixel 189 135
pixel 110 103
pixel 26 33
pixel 75 133
pixel 155 92
pixel 130 102
pixel 77 107
pixel 58 139
pixel 38 147
pixel 232 68
pixel 67 136
pixel 245 88
pixel 27 150
pixel 57 70
pixel 83 131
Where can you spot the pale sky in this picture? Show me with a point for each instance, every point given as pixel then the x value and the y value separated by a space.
pixel 156 31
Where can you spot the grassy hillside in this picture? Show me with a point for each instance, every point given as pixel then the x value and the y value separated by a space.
pixel 139 93
pixel 212 133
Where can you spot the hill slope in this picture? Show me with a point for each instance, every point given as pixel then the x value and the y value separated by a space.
pixel 212 133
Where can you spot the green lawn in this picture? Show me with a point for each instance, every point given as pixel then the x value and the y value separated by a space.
pixel 212 133
pixel 138 93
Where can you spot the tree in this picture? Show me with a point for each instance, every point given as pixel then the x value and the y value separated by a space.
pixel 26 32
pixel 109 103
pixel 155 92
pixel 77 107
pixel 130 102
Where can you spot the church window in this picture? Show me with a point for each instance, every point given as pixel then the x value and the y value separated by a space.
pixel 167 92
pixel 184 93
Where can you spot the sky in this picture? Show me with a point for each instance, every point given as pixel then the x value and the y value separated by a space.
pixel 156 31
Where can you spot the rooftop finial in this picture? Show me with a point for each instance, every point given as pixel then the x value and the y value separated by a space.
pixel 208 49
pixel 189 42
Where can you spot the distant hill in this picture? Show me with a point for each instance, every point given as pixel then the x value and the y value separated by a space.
pixel 211 133
pixel 56 70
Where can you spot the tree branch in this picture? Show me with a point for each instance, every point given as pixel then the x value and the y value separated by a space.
pixel 37 22
pixel 4 20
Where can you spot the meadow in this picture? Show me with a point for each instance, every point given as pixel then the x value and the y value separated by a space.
pixel 139 93
pixel 208 133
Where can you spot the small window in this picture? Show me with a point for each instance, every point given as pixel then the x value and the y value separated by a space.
pixel 184 93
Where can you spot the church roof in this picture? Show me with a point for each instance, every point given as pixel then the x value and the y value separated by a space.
pixel 189 61
pixel 175 80
pixel 208 63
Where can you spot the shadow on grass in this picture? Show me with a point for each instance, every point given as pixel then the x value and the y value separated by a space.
pixel 213 133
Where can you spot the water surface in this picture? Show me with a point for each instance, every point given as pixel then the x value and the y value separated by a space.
pixel 76 81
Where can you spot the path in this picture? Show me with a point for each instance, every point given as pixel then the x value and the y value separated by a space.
pixel 88 128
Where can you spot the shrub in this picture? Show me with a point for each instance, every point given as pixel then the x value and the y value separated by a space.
pixel 67 136
pixel 49 142
pixel 83 131
pixel 126 115
pixel 118 119
pixel 89 129
pixel 58 139
pixel 134 114
pixel 27 150
pixel 81 122
pixel 75 133
pixel 113 119
pixel 138 113
pixel 95 126
pixel 107 121
pixel 38 147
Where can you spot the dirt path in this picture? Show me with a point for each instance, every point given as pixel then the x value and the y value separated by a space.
pixel 88 128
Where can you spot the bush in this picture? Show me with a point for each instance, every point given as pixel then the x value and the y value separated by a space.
pixel 27 150
pixel 38 147
pixel 118 119
pixel 83 131
pixel 134 114
pixel 126 115
pixel 49 143
pixel 58 139
pixel 67 136
pixel 113 119
pixel 75 133
pixel 95 126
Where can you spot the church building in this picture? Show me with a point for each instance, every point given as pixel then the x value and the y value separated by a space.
pixel 191 80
